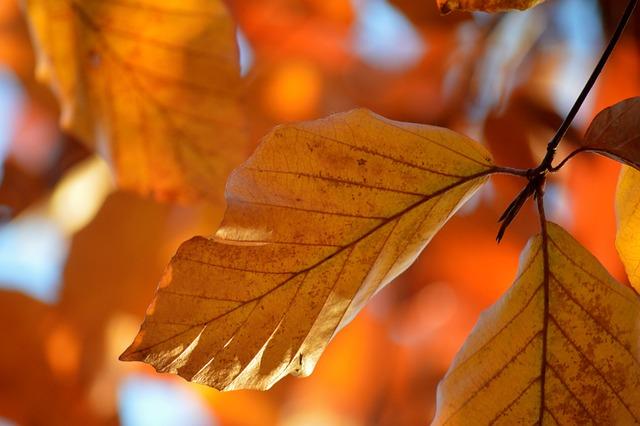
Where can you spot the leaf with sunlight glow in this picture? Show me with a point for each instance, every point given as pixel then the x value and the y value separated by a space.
pixel 161 102
pixel 320 218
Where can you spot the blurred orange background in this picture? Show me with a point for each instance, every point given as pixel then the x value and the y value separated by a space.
pixel 79 259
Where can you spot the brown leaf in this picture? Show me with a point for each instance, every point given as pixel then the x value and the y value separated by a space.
pixel 562 346
pixel 153 87
pixel 447 6
pixel 320 218
pixel 615 133
pixel 21 187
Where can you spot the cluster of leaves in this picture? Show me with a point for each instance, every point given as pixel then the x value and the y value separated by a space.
pixel 325 213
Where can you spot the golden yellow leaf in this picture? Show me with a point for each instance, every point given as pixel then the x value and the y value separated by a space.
pixel 628 212
pixel 447 6
pixel 154 87
pixel 562 346
pixel 321 217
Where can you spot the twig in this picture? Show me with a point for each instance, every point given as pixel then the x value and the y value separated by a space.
pixel 553 144
pixel 566 159
pixel 537 175
pixel 511 171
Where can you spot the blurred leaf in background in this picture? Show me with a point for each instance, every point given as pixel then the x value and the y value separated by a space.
pixel 79 259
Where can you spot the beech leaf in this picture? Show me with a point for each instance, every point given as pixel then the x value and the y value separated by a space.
pixel 447 6
pixel 320 218
pixel 628 212
pixel 615 133
pixel 153 87
pixel 562 346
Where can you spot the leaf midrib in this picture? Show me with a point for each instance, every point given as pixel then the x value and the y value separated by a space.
pixel 398 215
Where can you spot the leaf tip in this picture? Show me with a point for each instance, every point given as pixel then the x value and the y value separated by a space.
pixel 356 113
pixel 130 354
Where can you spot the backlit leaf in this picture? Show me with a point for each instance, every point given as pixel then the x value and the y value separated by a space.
pixel 628 212
pixel 447 6
pixel 615 133
pixel 562 346
pixel 320 218
pixel 152 86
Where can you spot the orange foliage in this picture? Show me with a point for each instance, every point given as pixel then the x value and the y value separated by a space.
pixel 489 77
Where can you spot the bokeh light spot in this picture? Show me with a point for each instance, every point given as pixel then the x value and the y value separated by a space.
pixel 80 194
pixel 145 401
pixel 293 91
pixel 33 250
pixel 11 99
pixel 246 53
pixel 384 38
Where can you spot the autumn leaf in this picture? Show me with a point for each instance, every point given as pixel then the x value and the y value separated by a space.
pixel 562 346
pixel 615 133
pixel 447 6
pixel 628 212
pixel 160 101
pixel 321 217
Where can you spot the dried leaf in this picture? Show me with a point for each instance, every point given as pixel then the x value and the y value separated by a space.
pixel 628 212
pixel 562 346
pixel 320 218
pixel 615 133
pixel 152 87
pixel 447 6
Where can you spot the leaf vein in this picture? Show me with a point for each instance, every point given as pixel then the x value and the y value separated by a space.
pixel 379 154
pixel 596 369
pixel 490 380
pixel 515 400
pixel 601 325
pixel 338 180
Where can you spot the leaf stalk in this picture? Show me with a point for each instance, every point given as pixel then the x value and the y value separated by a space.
pixel 537 175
